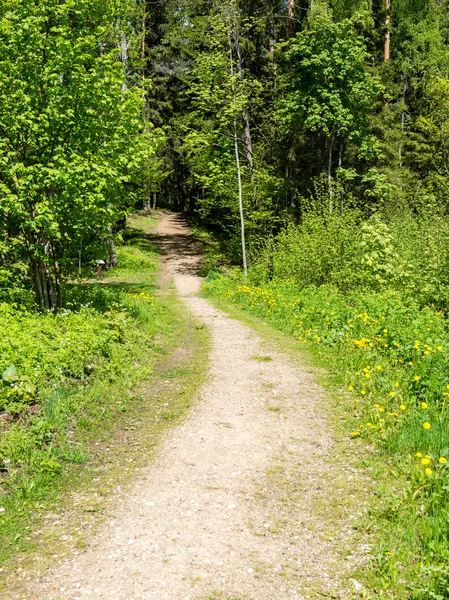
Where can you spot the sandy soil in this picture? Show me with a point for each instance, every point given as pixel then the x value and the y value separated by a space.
pixel 230 508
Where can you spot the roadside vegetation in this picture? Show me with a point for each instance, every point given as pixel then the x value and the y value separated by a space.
pixel 366 299
pixel 70 377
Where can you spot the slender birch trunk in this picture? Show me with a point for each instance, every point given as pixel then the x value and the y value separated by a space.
pixel 340 161
pixel 239 177
pixel 143 46
pixel 112 258
pixel 329 174
pixel 272 46
pixel 239 173
pixel 387 32
pixel 246 127
pixel 124 58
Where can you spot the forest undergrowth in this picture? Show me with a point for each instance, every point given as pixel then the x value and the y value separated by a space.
pixel 387 345
pixel 70 377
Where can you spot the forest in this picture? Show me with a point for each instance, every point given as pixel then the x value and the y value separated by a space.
pixel 307 143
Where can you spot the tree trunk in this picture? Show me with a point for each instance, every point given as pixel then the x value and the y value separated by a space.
pixel 239 174
pixel 340 162
pixel 47 287
pixel 112 258
pixel 239 177
pixel 329 174
pixel 387 32
pixel 124 59
pixel 400 141
pixel 291 18
pixel 38 289
pixel 246 128
pixel 154 200
pixel 272 46
pixel 143 46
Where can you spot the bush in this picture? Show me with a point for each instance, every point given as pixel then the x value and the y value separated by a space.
pixel 404 252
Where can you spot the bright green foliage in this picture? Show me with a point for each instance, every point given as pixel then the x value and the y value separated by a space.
pixel 208 142
pixel 344 164
pixel 36 349
pixel 331 91
pixel 408 253
pixel 70 136
pixel 49 362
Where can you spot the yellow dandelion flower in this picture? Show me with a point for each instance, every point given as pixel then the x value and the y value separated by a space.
pixel 424 405
pixel 439 348
pixel 418 455
pixel 363 392
pixel 426 425
pixel 396 385
pixel 392 394
pixel 402 407
pixel 378 368
pixel 428 471
pixel 351 388
pixel 416 377
pixel 442 460
pixel 425 461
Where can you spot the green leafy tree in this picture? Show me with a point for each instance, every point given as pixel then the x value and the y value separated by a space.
pixel 70 133
pixel 330 93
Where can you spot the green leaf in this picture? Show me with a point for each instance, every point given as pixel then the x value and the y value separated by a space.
pixel 10 373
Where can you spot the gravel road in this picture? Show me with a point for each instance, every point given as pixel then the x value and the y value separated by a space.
pixel 230 506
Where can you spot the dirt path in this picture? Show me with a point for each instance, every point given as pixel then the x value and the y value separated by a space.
pixel 231 506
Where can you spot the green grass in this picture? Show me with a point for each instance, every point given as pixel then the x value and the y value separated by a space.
pixel 104 406
pixel 390 359
pixel 262 358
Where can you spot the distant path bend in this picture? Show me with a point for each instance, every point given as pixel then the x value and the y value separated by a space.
pixel 230 508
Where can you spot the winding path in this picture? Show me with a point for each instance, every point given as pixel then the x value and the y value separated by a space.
pixel 230 507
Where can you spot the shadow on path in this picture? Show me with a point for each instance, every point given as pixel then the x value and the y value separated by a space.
pixel 178 246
